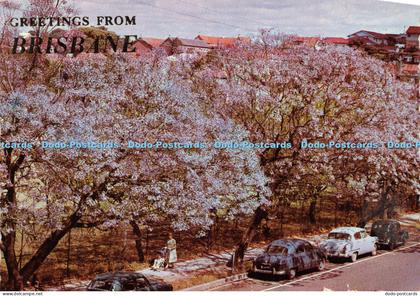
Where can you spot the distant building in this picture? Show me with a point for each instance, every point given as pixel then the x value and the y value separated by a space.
pixel 311 41
pixel 318 41
pixel 145 45
pixel 338 41
pixel 410 73
pixel 370 37
pixel 215 41
pixel 182 45
pixel 413 37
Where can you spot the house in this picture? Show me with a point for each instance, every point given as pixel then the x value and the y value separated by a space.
pixel 317 41
pixel 182 45
pixel 218 42
pixel 339 41
pixel 370 37
pixel 416 57
pixel 311 41
pixel 413 37
pixel 410 73
pixel 144 45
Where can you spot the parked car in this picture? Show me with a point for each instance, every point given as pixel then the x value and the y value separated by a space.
pixel 349 242
pixel 287 257
pixel 126 281
pixel 389 233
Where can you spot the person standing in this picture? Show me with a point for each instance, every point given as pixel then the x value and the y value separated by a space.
pixel 171 245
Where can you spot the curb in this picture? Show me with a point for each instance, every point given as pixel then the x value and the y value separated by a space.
pixel 216 283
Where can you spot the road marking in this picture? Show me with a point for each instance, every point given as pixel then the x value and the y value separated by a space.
pixel 339 267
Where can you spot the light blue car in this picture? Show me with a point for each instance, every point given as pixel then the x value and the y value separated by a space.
pixel 349 242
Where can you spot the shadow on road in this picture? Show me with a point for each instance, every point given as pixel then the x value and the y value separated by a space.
pixel 283 279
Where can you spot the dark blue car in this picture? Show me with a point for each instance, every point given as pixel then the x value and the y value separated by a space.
pixel 288 257
pixel 126 281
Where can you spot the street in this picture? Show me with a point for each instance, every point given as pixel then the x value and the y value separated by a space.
pixel 388 270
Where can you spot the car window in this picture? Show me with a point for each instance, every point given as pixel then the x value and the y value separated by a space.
pixel 101 285
pixel 141 283
pixel 381 227
pixel 130 285
pixel 116 286
pixel 363 234
pixel 273 249
pixel 357 235
pixel 300 249
pixel 308 247
pixel 339 235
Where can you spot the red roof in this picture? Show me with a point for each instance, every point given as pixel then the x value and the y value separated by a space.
pixel 222 41
pixel 336 40
pixel 153 42
pixel 191 42
pixel 413 30
pixel 176 41
pixel 410 68
pixel 308 40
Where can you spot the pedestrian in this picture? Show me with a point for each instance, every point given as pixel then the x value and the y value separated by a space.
pixel 171 245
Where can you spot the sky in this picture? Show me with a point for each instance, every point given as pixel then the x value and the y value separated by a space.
pixel 188 18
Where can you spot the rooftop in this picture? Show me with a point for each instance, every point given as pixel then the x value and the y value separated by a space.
pixel 189 42
pixel 154 42
pixel 413 30
pixel 224 41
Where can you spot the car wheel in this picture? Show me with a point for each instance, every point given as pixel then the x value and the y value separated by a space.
pixel 291 274
pixel 353 257
pixel 321 264
pixel 391 246
pixel 375 248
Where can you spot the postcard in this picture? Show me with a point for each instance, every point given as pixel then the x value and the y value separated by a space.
pixel 219 145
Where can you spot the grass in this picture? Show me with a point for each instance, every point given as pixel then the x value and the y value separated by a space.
pixel 197 280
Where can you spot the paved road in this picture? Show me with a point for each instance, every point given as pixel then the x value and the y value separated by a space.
pixel 389 270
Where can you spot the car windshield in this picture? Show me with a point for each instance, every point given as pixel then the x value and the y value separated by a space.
pixel 339 235
pixel 273 249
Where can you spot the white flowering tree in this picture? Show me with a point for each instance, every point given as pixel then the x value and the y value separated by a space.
pixel 98 99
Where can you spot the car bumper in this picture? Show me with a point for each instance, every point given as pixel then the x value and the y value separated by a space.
pixel 269 271
pixel 337 255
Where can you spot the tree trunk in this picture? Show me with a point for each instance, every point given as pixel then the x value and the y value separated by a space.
pixel 259 215
pixel 138 234
pixel 15 281
pixel 48 246
pixel 17 277
pixel 384 204
pixel 68 254
pixel 312 210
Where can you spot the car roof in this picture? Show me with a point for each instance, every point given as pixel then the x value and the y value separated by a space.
pixel 348 230
pixel 290 243
pixel 118 274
